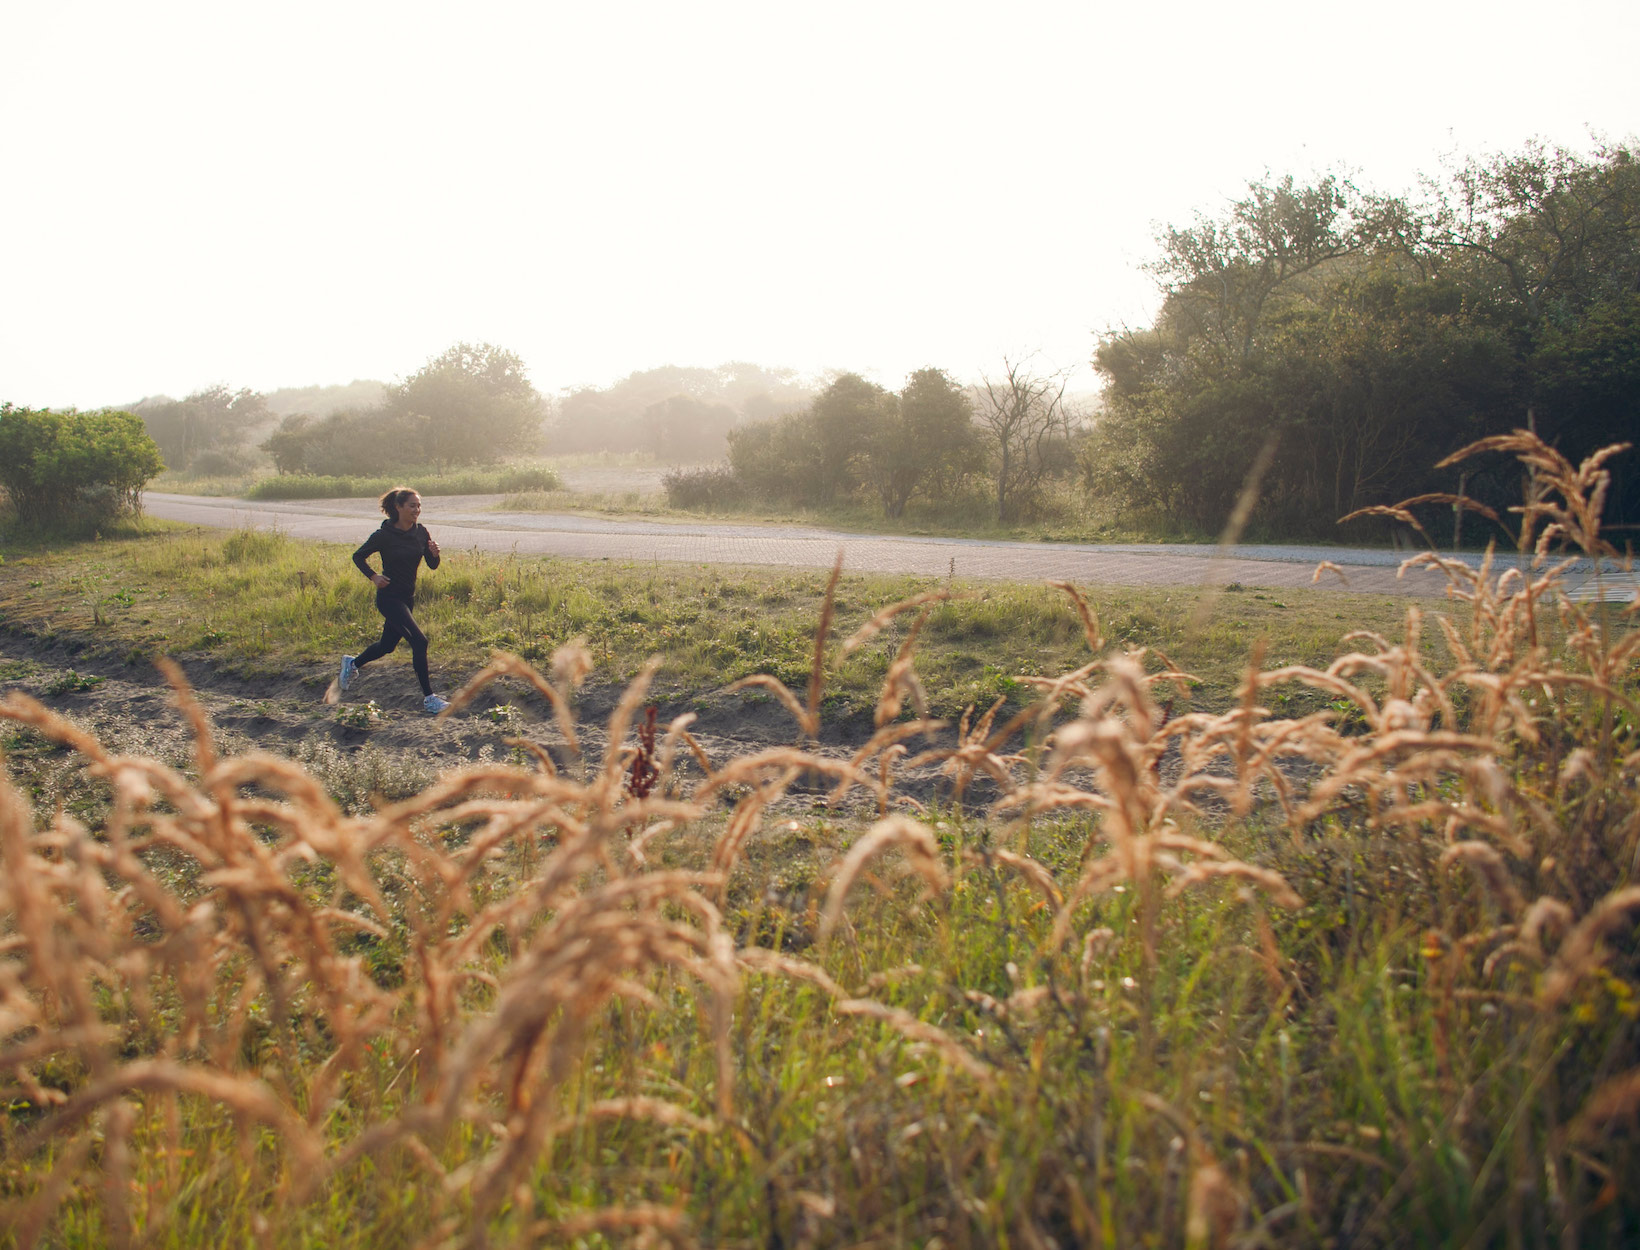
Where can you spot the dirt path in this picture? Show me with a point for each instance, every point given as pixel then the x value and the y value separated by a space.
pixel 378 741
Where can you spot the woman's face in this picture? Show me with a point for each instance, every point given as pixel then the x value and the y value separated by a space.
pixel 410 511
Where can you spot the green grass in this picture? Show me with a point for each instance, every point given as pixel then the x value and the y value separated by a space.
pixel 1316 1066
pixel 1358 1082
pixel 485 481
pixel 260 604
pixel 429 480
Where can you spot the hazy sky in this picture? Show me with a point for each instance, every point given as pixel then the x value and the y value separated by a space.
pixel 285 194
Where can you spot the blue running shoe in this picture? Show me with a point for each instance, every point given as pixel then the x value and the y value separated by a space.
pixel 350 670
pixel 434 704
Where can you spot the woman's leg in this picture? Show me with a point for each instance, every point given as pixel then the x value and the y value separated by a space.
pixel 392 631
pixel 397 621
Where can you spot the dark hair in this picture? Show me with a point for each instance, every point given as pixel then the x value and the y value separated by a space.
pixel 395 499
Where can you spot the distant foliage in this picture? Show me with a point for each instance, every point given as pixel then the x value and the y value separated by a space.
pixel 778 459
pixel 856 437
pixel 1025 426
pixel 321 401
pixel 354 442
pixel 210 432
pixel 713 487
pixel 1348 342
pixel 472 405
pixel 680 415
pixel 71 469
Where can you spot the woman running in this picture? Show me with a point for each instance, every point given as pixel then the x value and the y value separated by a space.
pixel 403 543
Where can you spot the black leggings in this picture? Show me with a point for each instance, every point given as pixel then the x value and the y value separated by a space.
pixel 397 623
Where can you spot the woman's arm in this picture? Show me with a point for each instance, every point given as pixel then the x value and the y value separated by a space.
pixel 361 556
pixel 432 550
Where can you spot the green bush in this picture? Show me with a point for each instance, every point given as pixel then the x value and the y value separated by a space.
pixel 70 470
pixel 712 486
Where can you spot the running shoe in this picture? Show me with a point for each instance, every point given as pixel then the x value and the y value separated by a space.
pixel 434 704
pixel 350 670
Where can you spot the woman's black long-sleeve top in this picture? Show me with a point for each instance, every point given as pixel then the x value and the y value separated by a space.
pixel 402 552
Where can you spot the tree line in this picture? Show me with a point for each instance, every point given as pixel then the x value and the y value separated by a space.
pixel 1346 342
pixel 1318 349
pixel 473 404
pixel 934 438
pixel 678 414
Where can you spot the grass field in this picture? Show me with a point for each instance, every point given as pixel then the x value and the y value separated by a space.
pixel 1331 942
pixel 262 605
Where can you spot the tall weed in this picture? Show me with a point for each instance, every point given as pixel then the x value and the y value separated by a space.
pixel 1143 975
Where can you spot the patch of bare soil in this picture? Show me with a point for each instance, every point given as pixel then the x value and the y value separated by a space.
pixel 378 731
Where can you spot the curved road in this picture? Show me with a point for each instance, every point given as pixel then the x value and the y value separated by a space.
pixel 474 522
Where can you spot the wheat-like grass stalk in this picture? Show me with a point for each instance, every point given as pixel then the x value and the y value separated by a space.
pixel 915 839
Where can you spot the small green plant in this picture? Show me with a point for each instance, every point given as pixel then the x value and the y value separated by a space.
pixel 502 714
pixel 360 715
pixel 73 683
pixel 251 546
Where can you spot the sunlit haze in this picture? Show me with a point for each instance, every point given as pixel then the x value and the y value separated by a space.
pixel 295 194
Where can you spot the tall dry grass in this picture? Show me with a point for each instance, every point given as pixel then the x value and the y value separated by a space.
pixel 207 951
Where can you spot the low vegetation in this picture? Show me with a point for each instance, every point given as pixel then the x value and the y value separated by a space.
pixel 259 606
pixel 1131 972
pixel 72 471
pixel 429 481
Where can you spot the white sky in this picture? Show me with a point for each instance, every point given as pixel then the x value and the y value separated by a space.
pixel 295 193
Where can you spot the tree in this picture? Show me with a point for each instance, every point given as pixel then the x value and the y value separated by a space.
pixel 214 420
pixel 471 405
pixel 1546 245
pixel 289 444
pixel 927 435
pixel 1220 275
pixel 620 417
pixel 360 442
pixel 1021 414
pixel 1371 337
pixel 844 417
pixel 1373 383
pixel 59 468
pixel 778 459
pixel 1587 386
pixel 1547 230
pixel 683 429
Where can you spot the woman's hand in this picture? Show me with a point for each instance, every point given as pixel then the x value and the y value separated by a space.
pixel 382 583
pixel 432 546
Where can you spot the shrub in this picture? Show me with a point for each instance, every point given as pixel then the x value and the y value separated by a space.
pixel 713 486
pixel 73 469
pixel 779 459
pixel 356 442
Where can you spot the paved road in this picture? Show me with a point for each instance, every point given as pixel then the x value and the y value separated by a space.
pixel 464 522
